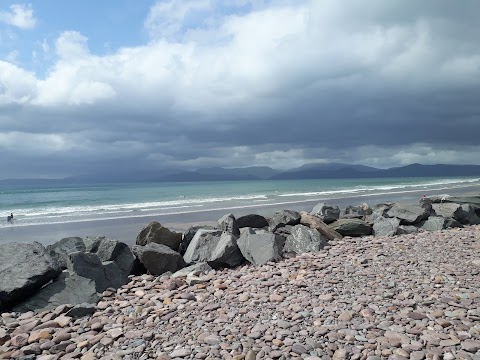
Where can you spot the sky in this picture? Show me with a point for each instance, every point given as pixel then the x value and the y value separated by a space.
pixel 112 86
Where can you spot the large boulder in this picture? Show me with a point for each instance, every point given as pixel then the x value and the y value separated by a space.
pixel 260 247
pixel 116 251
pixel 252 221
pixel 386 226
pixel 361 210
pixel 158 259
pixel 89 265
pixel 380 210
pixel 188 235
pixel 314 222
pixel 303 239
pixel 409 214
pixel 68 288
pixel 228 223
pixel 156 233
pixel 469 216
pixel 24 269
pixel 284 217
pixel 326 212
pixel 351 227
pixel 61 249
pixel 407 229
pixel 433 223
pixel 215 247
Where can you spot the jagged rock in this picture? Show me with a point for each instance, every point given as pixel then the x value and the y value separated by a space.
pixel 215 247
pixel 228 223
pixel 261 247
pixel 407 229
pixel 385 226
pixel 61 249
pixel 361 210
pixel 194 269
pixel 89 265
pixel 327 213
pixel 252 221
pixel 469 216
pixel 283 231
pixel 158 259
pixel 314 222
pixel 433 223
pixel 452 223
pixel 116 251
pixel 351 227
pixel 303 239
pixel 380 210
pixel 68 288
pixel 24 269
pixel 284 217
pixel 408 214
pixel 156 233
pixel 188 236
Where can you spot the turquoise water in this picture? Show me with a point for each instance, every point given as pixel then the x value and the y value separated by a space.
pixel 70 203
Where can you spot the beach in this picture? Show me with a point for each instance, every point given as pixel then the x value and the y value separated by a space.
pixel 126 228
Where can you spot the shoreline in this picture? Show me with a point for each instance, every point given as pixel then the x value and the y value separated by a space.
pixel 126 229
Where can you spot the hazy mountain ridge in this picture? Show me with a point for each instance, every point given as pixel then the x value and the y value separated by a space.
pixel 308 171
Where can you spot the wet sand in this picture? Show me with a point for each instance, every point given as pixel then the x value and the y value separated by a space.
pixel 127 229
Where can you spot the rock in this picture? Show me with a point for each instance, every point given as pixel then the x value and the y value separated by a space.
pixel 89 265
pixel 469 216
pixel 303 239
pixel 68 288
pixel 471 345
pixel 116 251
pixel 81 310
pixel 260 248
pixel 61 249
pixel 408 214
pixel 228 223
pixel 156 233
pixel 380 210
pixel 194 269
pixel 158 259
pixel 284 217
pixel 385 226
pixel 252 221
pixel 314 222
pixel 351 227
pixel 188 236
pixel 326 212
pixel 433 223
pixel 407 229
pixel 448 210
pixel 24 269
pixel 215 247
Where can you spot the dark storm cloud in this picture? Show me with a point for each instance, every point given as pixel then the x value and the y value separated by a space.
pixel 383 83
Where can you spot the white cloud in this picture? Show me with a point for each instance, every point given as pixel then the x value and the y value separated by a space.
pixel 20 16
pixel 45 46
pixel 12 56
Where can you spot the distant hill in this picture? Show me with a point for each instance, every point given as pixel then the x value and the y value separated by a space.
pixel 308 171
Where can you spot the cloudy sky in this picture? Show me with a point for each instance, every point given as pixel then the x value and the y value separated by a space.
pixel 133 85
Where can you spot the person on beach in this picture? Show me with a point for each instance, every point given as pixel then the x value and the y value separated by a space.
pixel 10 217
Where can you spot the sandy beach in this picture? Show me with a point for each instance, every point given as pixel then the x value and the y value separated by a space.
pixel 127 229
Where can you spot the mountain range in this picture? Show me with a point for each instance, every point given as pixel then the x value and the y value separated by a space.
pixel 308 171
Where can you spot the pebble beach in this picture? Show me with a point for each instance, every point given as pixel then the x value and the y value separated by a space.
pixel 411 296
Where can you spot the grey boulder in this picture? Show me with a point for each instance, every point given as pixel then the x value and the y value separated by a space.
pixel 188 235
pixel 116 251
pixel 61 249
pixel 252 221
pixel 228 223
pixel 408 214
pixel 386 226
pixel 195 269
pixel 158 259
pixel 24 269
pixel 351 227
pixel 303 239
pixel 314 222
pixel 284 217
pixel 407 229
pixel 435 223
pixel 68 288
pixel 215 247
pixel 261 247
pixel 156 233
pixel 380 210
pixel 360 210
pixel 327 213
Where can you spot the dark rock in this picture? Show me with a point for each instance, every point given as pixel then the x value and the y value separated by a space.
pixel 215 247
pixel 361 210
pixel 228 223
pixel 116 251
pixel 260 248
pixel 252 221
pixel 314 222
pixel 303 239
pixel 408 214
pixel 351 227
pixel 283 231
pixel 327 213
pixel 284 217
pixel 158 259
pixel 188 236
pixel 452 223
pixel 433 223
pixel 380 210
pixel 461 212
pixel 469 216
pixel 407 229
pixel 61 249
pixel 385 226
pixel 81 310
pixel 68 288
pixel 24 269
pixel 156 233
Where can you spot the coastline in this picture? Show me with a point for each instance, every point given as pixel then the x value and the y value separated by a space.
pixel 126 229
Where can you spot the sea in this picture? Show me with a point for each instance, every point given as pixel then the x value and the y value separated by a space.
pixel 58 204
